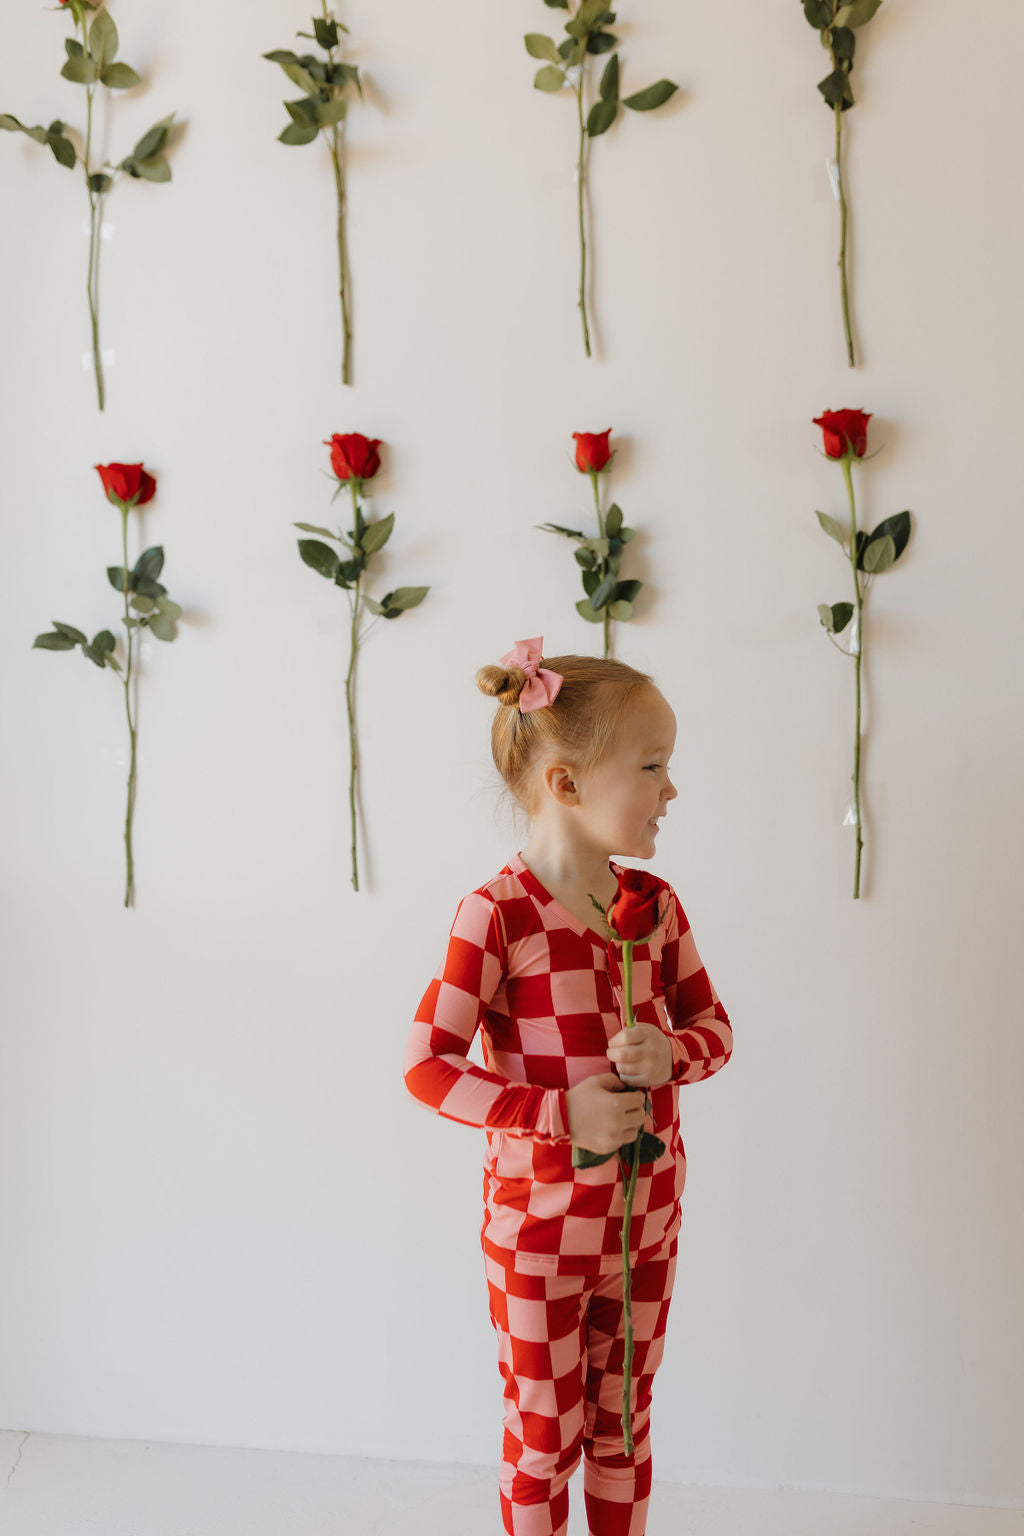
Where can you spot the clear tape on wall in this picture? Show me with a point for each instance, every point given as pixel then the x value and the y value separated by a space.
pixel 106 230
pixel 107 358
pixel 832 167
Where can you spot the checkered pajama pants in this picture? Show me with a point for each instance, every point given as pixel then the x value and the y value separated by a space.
pixel 560 1353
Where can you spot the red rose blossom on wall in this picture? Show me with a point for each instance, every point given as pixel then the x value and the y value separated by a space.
pixel 353 456
pixel 846 432
pixel 592 451
pixel 126 485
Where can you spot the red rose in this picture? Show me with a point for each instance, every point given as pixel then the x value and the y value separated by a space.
pixel 353 456
pixel 592 451
pixel 634 912
pixel 846 432
pixel 126 485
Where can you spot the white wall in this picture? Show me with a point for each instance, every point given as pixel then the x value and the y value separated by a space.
pixel 222 1220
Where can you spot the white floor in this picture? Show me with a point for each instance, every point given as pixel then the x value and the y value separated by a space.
pixel 53 1485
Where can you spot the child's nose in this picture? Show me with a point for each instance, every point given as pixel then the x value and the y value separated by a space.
pixel 670 790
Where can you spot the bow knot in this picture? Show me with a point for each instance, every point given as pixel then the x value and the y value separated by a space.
pixel 541 686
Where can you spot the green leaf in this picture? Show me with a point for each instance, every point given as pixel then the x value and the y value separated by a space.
pixel 625 534
pixel 305 110
pixel 844 45
pixel 613 522
pixel 156 168
pixel 302 78
pixel 585 611
pixel 98 658
pixel 63 151
pixel 377 535
pixel 326 32
pixel 145 586
pixel 620 609
pixel 82 71
pixel 600 117
pixel 818 13
pixel 73 634
pixel 650 1149
pixel 322 560
pixel 405 597
pixel 856 13
pixel 878 555
pixel 115 575
pixel 170 608
pixel 119 77
pixel 143 604
pixel 602 592
pixel 898 529
pixel 601 42
pixel 835 617
pixel 153 141
pixel 550 78
pixel 654 96
pixel 150 563
pixel 591 581
pixel 103 640
pixel 593 13
pixel 557 5
pixel 298 133
pixel 331 112
pixel 609 87
pixel 100 182
pixel 312 528
pixel 74 48
pixel 627 591
pixel 373 605
pixel 53 642
pixel 581 1157
pixel 570 533
pixel 540 47
pixel 162 626
pixel 14 126
pixel 832 528
pixel 586 558
pixel 836 89
pixel 103 38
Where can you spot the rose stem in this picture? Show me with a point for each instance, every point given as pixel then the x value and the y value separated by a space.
pixel 627 1217
pixel 350 692
pixel 842 234
pixel 339 183
pixel 580 172
pixel 129 893
pixel 95 216
pixel 606 617
pixel 847 476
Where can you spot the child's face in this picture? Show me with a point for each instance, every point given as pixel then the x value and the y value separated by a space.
pixel 621 798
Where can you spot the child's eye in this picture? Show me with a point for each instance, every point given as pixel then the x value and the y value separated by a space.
pixel 651 767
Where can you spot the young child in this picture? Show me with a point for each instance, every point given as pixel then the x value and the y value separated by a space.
pixel 584 745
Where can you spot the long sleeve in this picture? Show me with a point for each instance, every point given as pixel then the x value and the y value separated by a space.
pixel 701 1033
pixel 453 1007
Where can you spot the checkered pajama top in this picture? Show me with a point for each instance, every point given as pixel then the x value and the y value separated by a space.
pixel 545 993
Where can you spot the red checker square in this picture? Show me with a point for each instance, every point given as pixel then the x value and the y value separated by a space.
pixel 529 997
pixel 464 965
pixel 530 1360
pixel 568 951
pixel 569 1390
pixel 546 1071
pixel 519 916
pixel 542 1433
pixel 693 994
pixel 585 1034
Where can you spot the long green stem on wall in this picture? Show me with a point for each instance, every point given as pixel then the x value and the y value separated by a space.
pixel 580 182
pixel 129 890
pixel 337 156
pixel 605 568
pixel 350 703
pixel 842 234
pixel 95 223
pixel 857 650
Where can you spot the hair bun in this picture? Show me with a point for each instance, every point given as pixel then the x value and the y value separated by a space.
pixel 502 683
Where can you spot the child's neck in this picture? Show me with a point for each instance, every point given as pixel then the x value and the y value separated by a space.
pixel 571 874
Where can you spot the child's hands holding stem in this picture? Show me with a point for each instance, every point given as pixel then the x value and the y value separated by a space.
pixel 641 1055
pixel 603 1113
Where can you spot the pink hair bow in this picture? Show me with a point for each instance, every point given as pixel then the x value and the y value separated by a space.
pixel 541 686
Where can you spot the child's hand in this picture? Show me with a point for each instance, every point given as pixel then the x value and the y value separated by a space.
pixel 603 1115
pixel 642 1056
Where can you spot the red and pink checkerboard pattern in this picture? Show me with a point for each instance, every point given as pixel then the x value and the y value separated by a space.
pixel 545 993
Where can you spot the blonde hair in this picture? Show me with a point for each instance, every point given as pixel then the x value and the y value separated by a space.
pixel 578 727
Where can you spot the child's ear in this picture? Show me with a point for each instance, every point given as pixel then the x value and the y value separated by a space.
pixel 559 783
